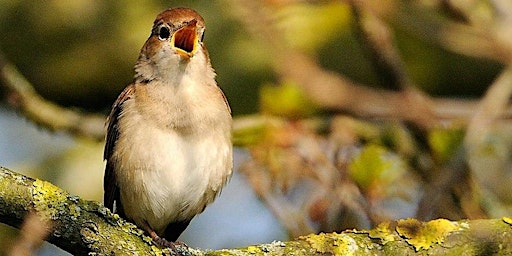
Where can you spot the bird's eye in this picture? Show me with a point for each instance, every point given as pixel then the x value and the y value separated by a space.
pixel 164 33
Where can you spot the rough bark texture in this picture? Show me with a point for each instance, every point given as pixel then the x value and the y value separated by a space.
pixel 87 228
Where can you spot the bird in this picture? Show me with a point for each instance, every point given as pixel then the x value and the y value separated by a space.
pixel 168 148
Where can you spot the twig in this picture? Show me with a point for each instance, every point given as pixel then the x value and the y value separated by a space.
pixel 33 231
pixel 377 39
pixel 376 35
pixel 490 108
pixel 21 95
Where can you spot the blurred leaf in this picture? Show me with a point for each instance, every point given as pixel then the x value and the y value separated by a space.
pixel 444 142
pixel 375 165
pixel 285 100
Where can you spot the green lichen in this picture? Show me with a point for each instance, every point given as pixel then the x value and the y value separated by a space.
pixel 253 250
pixel 156 251
pixel 115 220
pixel 89 233
pixel 337 244
pixel 384 232
pixel 49 200
pixel 147 239
pixel 425 235
pixel 14 190
pixel 74 211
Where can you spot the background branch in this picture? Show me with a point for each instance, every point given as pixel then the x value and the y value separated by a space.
pixel 491 107
pixel 20 94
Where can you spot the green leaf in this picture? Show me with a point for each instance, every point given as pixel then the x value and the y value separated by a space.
pixel 444 142
pixel 285 100
pixel 375 164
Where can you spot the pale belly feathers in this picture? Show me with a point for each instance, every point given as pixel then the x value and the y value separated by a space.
pixel 174 177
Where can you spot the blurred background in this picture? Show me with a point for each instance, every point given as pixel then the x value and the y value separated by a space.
pixel 347 113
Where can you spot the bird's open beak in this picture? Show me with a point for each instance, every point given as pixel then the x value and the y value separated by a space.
pixel 184 41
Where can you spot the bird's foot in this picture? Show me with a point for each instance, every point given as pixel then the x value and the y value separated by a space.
pixel 162 242
pixel 176 247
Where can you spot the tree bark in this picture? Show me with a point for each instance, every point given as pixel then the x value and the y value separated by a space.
pixel 86 227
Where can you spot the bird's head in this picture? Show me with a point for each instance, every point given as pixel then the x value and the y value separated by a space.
pixel 175 45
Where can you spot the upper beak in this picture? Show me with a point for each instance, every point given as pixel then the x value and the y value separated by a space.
pixel 184 40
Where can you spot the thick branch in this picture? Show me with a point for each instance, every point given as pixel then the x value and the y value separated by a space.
pixel 83 227
pixel 78 226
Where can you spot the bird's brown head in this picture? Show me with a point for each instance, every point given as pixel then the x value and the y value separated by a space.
pixel 178 29
pixel 183 28
pixel 176 41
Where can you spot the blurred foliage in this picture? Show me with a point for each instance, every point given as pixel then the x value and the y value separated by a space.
pixel 81 53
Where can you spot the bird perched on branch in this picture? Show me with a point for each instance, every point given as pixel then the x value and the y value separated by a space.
pixel 168 147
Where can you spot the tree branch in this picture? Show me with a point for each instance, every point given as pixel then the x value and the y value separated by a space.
pixel 21 95
pixel 86 227
pixel 78 226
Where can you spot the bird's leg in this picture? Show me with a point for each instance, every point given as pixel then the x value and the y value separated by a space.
pixel 160 241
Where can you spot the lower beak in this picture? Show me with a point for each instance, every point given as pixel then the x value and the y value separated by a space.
pixel 185 40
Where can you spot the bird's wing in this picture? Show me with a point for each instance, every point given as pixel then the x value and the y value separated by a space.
pixel 111 190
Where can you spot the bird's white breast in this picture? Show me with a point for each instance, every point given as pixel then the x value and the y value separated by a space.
pixel 172 172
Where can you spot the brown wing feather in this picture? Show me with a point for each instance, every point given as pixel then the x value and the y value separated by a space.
pixel 111 191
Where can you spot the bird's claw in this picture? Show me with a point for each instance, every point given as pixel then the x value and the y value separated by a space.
pixel 173 246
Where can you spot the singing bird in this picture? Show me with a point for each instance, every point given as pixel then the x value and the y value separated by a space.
pixel 168 146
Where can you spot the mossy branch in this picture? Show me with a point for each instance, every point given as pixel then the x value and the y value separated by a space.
pixel 85 227
pixel 77 226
